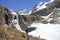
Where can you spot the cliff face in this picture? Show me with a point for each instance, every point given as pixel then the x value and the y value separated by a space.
pixel 5 15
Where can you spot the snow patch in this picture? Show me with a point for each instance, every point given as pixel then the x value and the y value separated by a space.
pixel 46 31
pixel 51 0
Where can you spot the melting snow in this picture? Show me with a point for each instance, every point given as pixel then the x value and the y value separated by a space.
pixel 46 31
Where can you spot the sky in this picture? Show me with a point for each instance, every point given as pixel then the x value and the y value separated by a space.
pixel 20 4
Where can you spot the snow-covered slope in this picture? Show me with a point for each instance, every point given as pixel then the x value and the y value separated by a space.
pixel 51 0
pixel 49 14
pixel 24 12
pixel 41 6
pixel 46 31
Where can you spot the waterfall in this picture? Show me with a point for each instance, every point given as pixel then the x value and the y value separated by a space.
pixel 15 22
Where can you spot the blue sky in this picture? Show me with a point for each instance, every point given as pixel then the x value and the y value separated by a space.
pixel 20 4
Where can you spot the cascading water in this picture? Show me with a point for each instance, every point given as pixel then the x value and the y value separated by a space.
pixel 15 22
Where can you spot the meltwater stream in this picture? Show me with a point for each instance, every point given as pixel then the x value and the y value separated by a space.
pixel 46 31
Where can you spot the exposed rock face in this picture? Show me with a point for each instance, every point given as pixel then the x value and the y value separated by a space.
pixel 5 15
pixel 55 16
